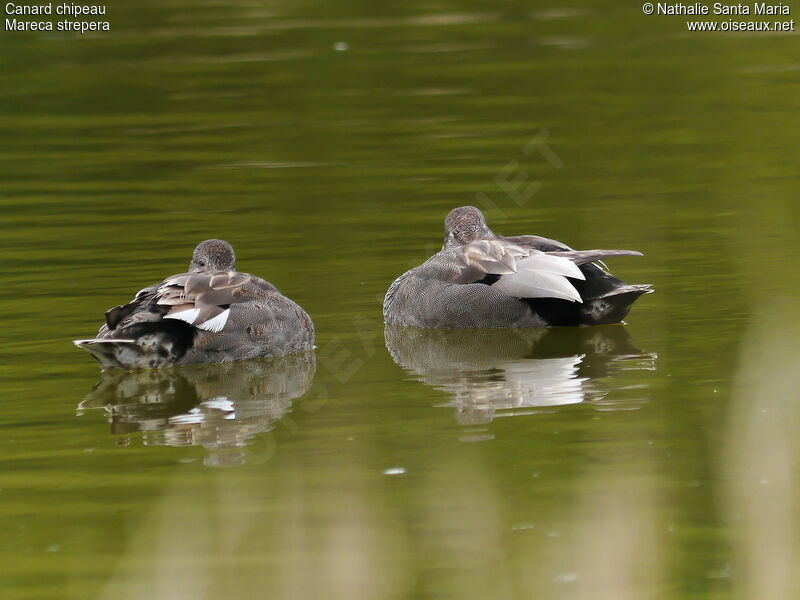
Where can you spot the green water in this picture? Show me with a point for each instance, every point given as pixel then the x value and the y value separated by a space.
pixel 326 142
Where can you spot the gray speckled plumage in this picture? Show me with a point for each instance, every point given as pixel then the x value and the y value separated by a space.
pixel 483 280
pixel 210 314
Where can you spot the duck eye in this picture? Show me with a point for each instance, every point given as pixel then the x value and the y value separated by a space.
pixel 202 263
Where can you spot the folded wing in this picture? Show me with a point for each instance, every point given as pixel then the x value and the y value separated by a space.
pixel 518 272
pixel 202 299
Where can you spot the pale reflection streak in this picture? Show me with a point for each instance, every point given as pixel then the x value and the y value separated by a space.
pixel 611 548
pixel 233 536
pixel 762 454
pixel 297 532
pixel 256 534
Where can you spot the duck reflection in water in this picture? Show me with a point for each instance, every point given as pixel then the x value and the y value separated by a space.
pixel 506 372
pixel 219 407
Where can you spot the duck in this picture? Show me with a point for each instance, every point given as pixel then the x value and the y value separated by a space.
pixel 483 280
pixel 210 314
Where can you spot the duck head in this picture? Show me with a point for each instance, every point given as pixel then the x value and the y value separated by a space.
pixel 464 225
pixel 212 255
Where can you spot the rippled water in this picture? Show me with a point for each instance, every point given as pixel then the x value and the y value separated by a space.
pixel 326 142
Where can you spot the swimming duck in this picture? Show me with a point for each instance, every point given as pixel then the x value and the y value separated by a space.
pixel 480 279
pixel 211 314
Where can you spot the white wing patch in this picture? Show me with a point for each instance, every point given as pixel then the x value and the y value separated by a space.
pixel 531 284
pixel 557 265
pixel 185 315
pixel 217 323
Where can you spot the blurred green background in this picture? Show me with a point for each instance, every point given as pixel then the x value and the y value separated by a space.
pixel 327 142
